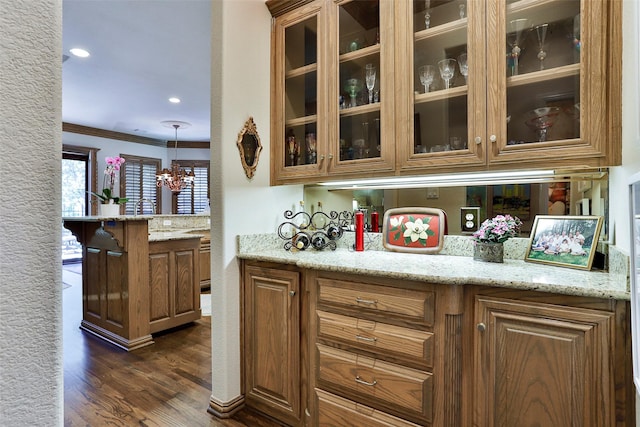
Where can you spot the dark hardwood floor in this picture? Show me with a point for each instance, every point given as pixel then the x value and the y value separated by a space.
pixel 166 384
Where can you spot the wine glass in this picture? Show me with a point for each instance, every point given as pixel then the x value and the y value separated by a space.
pixel 464 65
pixel 427 14
pixel 427 73
pixel 370 79
pixel 462 10
pixel 515 39
pixel 447 70
pixel 352 87
pixel 541 32
pixel 541 119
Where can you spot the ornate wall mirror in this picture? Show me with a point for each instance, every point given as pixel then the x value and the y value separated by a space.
pixel 249 146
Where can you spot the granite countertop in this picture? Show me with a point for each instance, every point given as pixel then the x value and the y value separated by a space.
pixel 178 234
pixel 444 269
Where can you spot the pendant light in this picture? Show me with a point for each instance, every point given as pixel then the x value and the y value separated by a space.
pixel 175 179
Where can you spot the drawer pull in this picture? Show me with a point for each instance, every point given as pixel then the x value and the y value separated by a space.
pixel 360 337
pixel 361 381
pixel 366 301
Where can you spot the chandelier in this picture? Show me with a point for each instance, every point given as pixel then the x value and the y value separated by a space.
pixel 175 179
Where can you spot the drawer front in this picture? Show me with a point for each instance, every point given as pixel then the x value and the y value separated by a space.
pixel 382 338
pixel 385 300
pixel 392 385
pixel 334 411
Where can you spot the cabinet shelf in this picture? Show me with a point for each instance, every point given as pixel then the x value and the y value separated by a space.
pixel 455 31
pixel 540 11
pixel 360 53
pixel 439 95
pixel 360 109
pixel 544 75
pixel 297 72
pixel 301 121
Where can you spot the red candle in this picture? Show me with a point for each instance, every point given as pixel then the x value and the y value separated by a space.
pixel 359 223
pixel 375 227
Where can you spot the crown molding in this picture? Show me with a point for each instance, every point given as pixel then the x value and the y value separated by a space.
pixel 120 136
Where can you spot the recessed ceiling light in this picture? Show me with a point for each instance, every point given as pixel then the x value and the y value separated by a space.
pixel 174 100
pixel 79 52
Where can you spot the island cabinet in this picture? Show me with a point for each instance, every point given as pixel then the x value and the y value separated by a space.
pixel 549 360
pixel 174 283
pixel 274 374
pixel 205 261
pixel 458 86
pixel 115 279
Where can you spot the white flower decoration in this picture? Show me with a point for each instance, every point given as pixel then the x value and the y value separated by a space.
pixel 395 221
pixel 416 230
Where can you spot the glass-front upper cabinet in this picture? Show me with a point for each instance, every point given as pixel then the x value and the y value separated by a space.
pixel 298 135
pixel 361 87
pixel 508 84
pixel 442 75
pixel 552 82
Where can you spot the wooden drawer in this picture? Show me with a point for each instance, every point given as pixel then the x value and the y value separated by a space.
pixel 396 341
pixel 384 300
pixel 394 387
pixel 334 411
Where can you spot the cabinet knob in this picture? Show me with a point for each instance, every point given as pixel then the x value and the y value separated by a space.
pixel 292 293
pixel 478 140
pixel 330 156
pixel 482 327
pixel 493 138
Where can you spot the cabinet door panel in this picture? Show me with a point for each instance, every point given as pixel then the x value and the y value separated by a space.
pixel 541 364
pixel 272 342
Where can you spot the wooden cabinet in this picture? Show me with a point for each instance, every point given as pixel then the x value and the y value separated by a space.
pixel 534 84
pixel 386 352
pixel 550 364
pixel 327 124
pixel 273 347
pixel 205 261
pixel 174 283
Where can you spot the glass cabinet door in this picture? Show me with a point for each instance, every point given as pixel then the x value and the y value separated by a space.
pixel 445 67
pixel 363 84
pixel 297 95
pixel 634 204
pixel 545 50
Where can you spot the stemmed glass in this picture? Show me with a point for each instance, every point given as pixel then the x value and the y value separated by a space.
pixel 427 73
pixel 370 79
pixel 541 119
pixel 541 32
pixel 515 38
pixel 464 65
pixel 447 70
pixel 427 14
pixel 462 10
pixel 352 87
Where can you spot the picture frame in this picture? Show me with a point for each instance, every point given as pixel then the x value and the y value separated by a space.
pixel 431 226
pixel 566 241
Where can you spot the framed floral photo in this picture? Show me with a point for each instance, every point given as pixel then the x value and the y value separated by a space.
pixel 567 241
pixel 414 230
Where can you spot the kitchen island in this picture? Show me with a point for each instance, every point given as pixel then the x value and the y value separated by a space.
pixel 135 283
pixel 385 338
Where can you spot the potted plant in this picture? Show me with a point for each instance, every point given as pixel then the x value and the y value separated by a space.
pixel 489 238
pixel 106 196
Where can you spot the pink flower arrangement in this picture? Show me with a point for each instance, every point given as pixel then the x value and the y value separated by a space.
pixel 110 177
pixel 499 229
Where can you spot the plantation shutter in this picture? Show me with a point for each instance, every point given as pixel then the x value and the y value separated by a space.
pixel 139 182
pixel 196 198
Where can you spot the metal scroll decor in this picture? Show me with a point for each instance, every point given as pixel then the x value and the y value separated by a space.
pixel 319 231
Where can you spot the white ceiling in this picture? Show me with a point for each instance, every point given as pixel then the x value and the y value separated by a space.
pixel 142 53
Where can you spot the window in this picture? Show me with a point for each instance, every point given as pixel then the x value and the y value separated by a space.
pixel 138 181
pixel 194 199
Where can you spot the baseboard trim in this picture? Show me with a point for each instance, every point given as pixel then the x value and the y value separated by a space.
pixel 225 409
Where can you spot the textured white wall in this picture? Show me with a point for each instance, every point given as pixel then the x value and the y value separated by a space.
pixel 31 392
pixel 240 84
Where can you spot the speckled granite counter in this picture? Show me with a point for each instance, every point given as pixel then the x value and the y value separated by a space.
pixel 444 268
